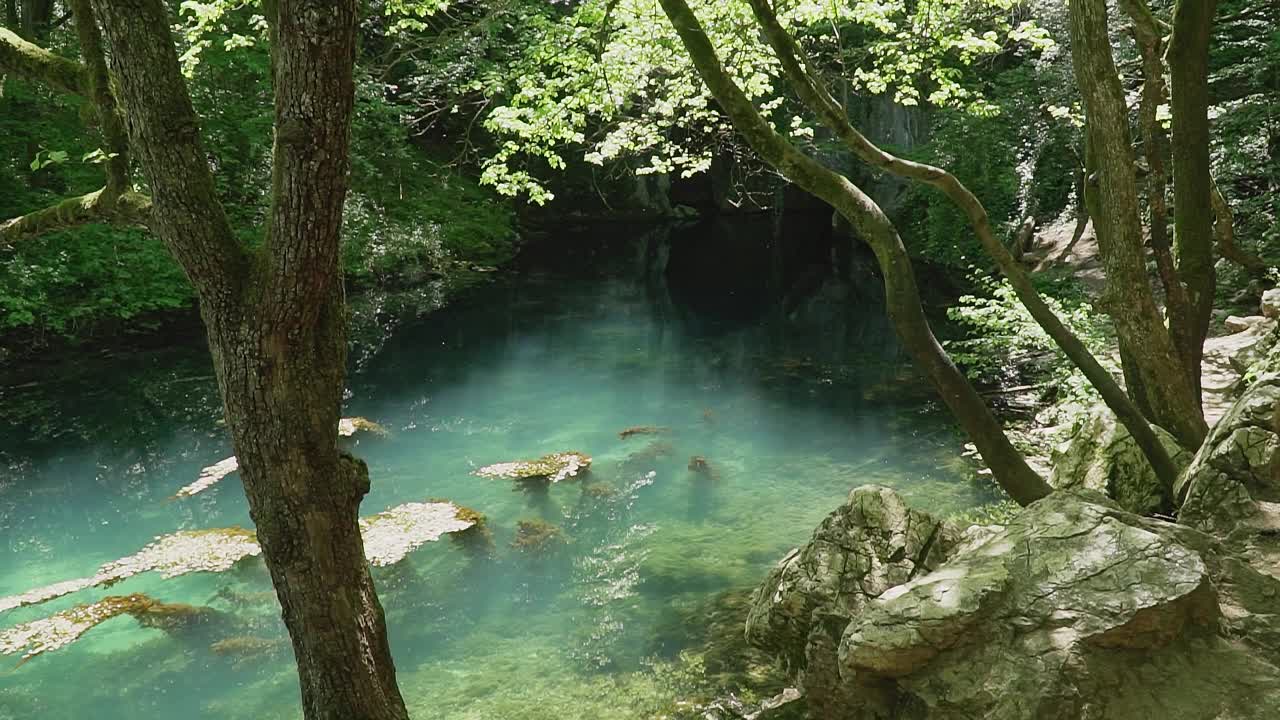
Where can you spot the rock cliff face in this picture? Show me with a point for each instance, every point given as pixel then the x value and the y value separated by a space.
pixel 1076 609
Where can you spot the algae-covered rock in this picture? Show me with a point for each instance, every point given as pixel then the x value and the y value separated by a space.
pixel 63 628
pixel 553 467
pixel 537 536
pixel 394 533
pixel 1075 609
pixel 1102 456
pixel 388 537
pixel 179 553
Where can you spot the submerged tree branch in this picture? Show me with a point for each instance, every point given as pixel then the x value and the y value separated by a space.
pixel 1010 469
pixel 814 95
pixel 33 62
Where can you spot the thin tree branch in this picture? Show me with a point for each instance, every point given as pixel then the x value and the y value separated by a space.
pixel 1225 236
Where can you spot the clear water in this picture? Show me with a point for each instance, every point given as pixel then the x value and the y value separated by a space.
pixel 789 413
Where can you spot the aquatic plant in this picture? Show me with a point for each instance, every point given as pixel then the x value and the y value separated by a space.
pixel 394 533
pixel 698 465
pixel 643 430
pixel 554 467
pixel 537 536
pixel 215 472
pixel 63 628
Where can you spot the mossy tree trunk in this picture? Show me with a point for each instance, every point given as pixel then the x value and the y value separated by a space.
pixel 274 316
pixel 902 296
pixel 1169 391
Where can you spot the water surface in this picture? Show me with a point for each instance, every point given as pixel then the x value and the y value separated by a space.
pixel 793 395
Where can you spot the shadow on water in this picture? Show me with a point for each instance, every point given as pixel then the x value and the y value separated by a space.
pixel 765 373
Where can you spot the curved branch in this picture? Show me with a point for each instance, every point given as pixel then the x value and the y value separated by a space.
pixel 1010 469
pixel 100 206
pixel 813 94
pixel 1225 236
pixel 33 62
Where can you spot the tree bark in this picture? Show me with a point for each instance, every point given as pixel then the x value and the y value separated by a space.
pixel 1007 464
pixel 814 94
pixel 276 327
pixel 1192 182
pixel 1155 145
pixel 1128 296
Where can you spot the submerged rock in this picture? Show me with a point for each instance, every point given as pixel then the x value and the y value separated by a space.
pixel 537 536
pixel 179 553
pixel 553 467
pixel 1075 609
pixel 388 537
pixel 643 430
pixel 1102 456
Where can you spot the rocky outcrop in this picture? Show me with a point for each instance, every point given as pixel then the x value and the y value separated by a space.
pixel 1075 609
pixel 1234 478
pixel 1099 454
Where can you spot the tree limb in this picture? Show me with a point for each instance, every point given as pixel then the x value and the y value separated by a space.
pixel 165 135
pixel 1225 236
pixel 33 62
pixel 814 94
pixel 99 206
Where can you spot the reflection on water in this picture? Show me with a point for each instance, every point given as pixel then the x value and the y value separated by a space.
pixel 789 398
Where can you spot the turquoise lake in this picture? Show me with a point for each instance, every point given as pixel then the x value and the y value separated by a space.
pixel 790 404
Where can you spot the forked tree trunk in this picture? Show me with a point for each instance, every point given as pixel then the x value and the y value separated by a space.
pixel 1128 297
pixel 276 328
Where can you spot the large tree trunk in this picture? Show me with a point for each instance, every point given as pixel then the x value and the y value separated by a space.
pixel 276 328
pixel 1128 297
pixel 902 296
pixel 1192 183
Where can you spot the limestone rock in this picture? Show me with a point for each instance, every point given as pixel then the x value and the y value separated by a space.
pixel 1102 456
pixel 1271 303
pixel 1238 464
pixel 871 543
pixel 1076 609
